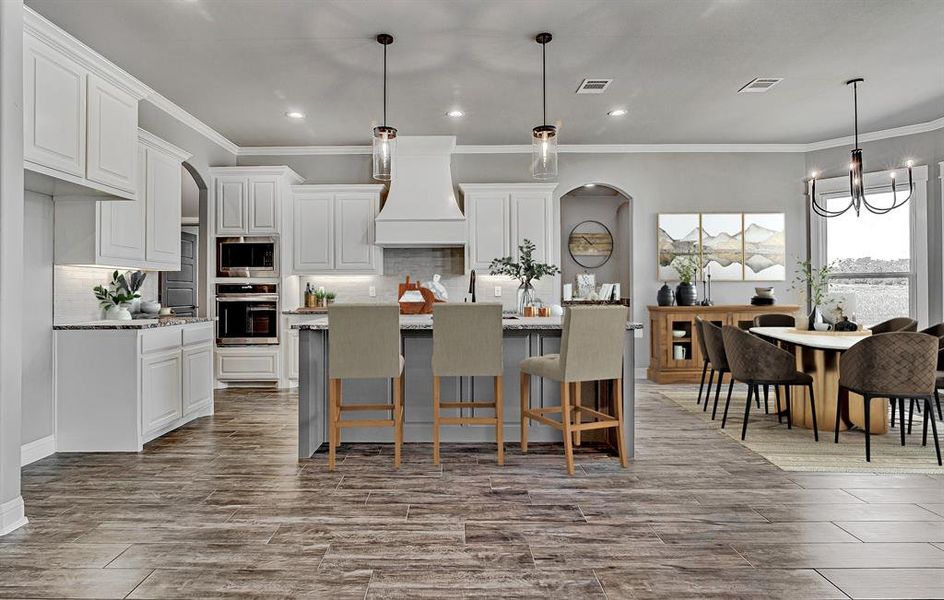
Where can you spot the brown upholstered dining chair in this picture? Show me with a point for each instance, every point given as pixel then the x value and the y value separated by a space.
pixel 774 320
pixel 893 325
pixel 896 366
pixel 938 332
pixel 706 365
pixel 757 362
pixel 714 342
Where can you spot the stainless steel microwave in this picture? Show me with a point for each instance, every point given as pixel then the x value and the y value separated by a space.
pixel 247 256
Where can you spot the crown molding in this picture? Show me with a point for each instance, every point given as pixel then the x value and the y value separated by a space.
pixel 166 105
pixel 878 135
pixel 302 150
pixel 148 138
pixel 251 170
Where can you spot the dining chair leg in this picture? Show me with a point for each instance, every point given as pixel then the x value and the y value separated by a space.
pixel 525 382
pixel 766 402
pixel 620 432
pixel 924 432
pixel 752 389
pixel 714 409
pixel 500 418
pixel 813 411
pixel 937 444
pixel 436 399
pixel 777 398
pixel 577 418
pixel 565 423
pixel 724 416
pixel 332 425
pixel 901 412
pixel 786 389
pixel 711 378
pixel 894 409
pixel 937 400
pixel 868 429
pixel 397 420
pixel 911 409
pixel 838 414
pixel 701 386
pixel 757 397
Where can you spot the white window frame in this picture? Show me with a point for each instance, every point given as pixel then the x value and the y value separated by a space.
pixel 877 182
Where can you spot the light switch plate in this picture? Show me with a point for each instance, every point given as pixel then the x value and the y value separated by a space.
pixel 372 292
pixel 498 291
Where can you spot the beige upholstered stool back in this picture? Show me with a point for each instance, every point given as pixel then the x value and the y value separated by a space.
pixel 363 341
pixel 592 343
pixel 467 339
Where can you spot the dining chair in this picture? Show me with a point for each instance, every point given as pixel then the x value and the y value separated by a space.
pixel 364 343
pixel 757 362
pixel 591 350
pixel 719 362
pixel 893 325
pixel 774 320
pixel 706 367
pixel 467 342
pixel 895 366
pixel 938 332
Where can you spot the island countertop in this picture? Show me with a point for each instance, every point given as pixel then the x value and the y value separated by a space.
pixel 425 322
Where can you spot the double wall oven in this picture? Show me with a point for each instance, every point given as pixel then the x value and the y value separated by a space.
pixel 248 314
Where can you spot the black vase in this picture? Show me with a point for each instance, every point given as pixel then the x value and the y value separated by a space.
pixel 665 297
pixel 686 294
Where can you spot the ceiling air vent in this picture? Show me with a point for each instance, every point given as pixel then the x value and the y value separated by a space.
pixel 594 86
pixel 760 85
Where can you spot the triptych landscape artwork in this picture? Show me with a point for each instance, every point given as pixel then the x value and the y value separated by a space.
pixel 729 246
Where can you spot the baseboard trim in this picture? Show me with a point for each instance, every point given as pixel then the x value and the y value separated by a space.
pixel 641 372
pixel 37 450
pixel 12 515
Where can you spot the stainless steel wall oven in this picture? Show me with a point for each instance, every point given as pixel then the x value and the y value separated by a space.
pixel 248 314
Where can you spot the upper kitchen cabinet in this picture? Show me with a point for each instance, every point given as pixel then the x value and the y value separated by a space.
pixel 249 199
pixel 502 215
pixel 141 234
pixel 333 229
pixel 80 116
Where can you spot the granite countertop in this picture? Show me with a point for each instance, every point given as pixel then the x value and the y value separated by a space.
pixel 134 324
pixel 425 322
pixel 307 311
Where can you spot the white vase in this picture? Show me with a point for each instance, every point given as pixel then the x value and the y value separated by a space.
pixel 117 313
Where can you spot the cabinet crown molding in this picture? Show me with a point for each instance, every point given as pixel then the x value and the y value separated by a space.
pixel 278 171
pixel 516 187
pixel 149 139
pixel 371 188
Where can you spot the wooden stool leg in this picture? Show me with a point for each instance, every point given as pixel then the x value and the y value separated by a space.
pixel 500 418
pixel 525 403
pixel 397 420
pixel 577 412
pixel 565 421
pixel 332 425
pixel 618 410
pixel 436 392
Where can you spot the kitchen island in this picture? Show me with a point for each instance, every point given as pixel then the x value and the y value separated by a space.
pixel 523 337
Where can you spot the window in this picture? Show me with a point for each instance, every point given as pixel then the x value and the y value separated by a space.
pixel 871 255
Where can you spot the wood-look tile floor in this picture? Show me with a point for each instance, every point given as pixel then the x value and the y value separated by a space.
pixel 223 509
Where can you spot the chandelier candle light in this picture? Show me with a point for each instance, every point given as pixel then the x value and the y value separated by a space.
pixel 544 137
pixel 857 194
pixel 385 138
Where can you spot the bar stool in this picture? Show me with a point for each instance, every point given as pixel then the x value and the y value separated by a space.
pixel 364 343
pixel 591 350
pixel 467 342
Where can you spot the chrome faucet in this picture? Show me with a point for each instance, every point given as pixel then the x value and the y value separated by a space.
pixel 472 284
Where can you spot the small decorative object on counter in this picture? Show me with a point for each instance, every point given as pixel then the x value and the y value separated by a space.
pixel 414 299
pixel 525 270
pixel 329 297
pixel 166 311
pixel 706 287
pixel 529 310
pixel 151 307
pixel 321 297
pixel 557 310
pixel 763 296
pixel 586 285
pixel 115 298
pixel 132 282
pixel 568 292
pixel 844 324
pixel 544 311
pixel 438 289
pixel 678 352
pixel 665 297
pixel 686 266
pixel 815 282
pixel 309 296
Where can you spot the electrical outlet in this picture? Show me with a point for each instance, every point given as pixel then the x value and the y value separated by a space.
pixel 372 292
pixel 498 291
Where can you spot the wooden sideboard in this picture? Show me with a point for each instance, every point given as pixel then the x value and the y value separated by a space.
pixel 663 320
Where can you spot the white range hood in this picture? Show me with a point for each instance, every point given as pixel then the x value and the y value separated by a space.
pixel 421 209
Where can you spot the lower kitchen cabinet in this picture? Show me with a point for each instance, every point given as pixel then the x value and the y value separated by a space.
pixel 117 389
pixel 248 363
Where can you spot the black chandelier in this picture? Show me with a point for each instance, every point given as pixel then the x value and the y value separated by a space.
pixel 856 180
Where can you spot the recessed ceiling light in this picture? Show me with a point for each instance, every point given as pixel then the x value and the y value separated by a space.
pixel 455 114
pixel 590 185
pixel 294 114
pixel 617 112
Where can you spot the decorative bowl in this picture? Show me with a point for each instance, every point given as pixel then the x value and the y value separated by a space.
pixel 764 292
pixel 678 333
pixel 151 307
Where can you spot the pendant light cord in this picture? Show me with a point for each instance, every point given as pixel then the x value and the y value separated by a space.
pixel 544 80
pixel 385 86
pixel 855 110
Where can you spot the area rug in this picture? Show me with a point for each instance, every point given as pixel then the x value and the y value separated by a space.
pixel 795 450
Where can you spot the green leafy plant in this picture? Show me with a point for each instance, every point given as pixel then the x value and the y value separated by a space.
pixel 812 280
pixel 115 294
pixel 330 296
pixel 132 281
pixel 320 294
pixel 686 266
pixel 526 269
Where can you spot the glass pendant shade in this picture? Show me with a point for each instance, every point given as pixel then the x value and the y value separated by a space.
pixel 385 142
pixel 544 152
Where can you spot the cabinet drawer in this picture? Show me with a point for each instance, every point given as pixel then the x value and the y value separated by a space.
pixel 162 338
pixel 247 364
pixel 194 334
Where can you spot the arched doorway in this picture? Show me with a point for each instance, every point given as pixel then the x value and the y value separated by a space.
pixel 597 209
pixel 186 290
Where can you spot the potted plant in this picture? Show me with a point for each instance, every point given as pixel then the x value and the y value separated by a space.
pixel 131 282
pixel 526 271
pixel 329 297
pixel 686 267
pixel 815 283
pixel 114 298
pixel 321 297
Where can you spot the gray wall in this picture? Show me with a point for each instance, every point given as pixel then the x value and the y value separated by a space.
pixel 923 149
pixel 576 208
pixel 38 416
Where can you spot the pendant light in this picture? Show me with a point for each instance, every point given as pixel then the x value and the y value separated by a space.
pixel 544 137
pixel 385 138
pixel 857 194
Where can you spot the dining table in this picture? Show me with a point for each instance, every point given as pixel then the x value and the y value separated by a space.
pixel 819 354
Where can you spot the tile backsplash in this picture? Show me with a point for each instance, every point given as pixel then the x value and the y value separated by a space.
pixel 420 264
pixel 73 299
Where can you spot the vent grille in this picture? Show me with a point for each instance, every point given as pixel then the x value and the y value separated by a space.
pixel 760 85
pixel 594 85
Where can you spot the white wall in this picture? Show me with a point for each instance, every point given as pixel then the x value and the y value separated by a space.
pixel 38 416
pixel 576 208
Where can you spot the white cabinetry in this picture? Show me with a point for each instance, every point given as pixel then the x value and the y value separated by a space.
pixel 249 199
pixel 247 363
pixel 333 229
pixel 290 345
pixel 143 233
pixel 158 379
pixel 502 216
pixel 80 113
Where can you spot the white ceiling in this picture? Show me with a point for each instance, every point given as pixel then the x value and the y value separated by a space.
pixel 239 65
